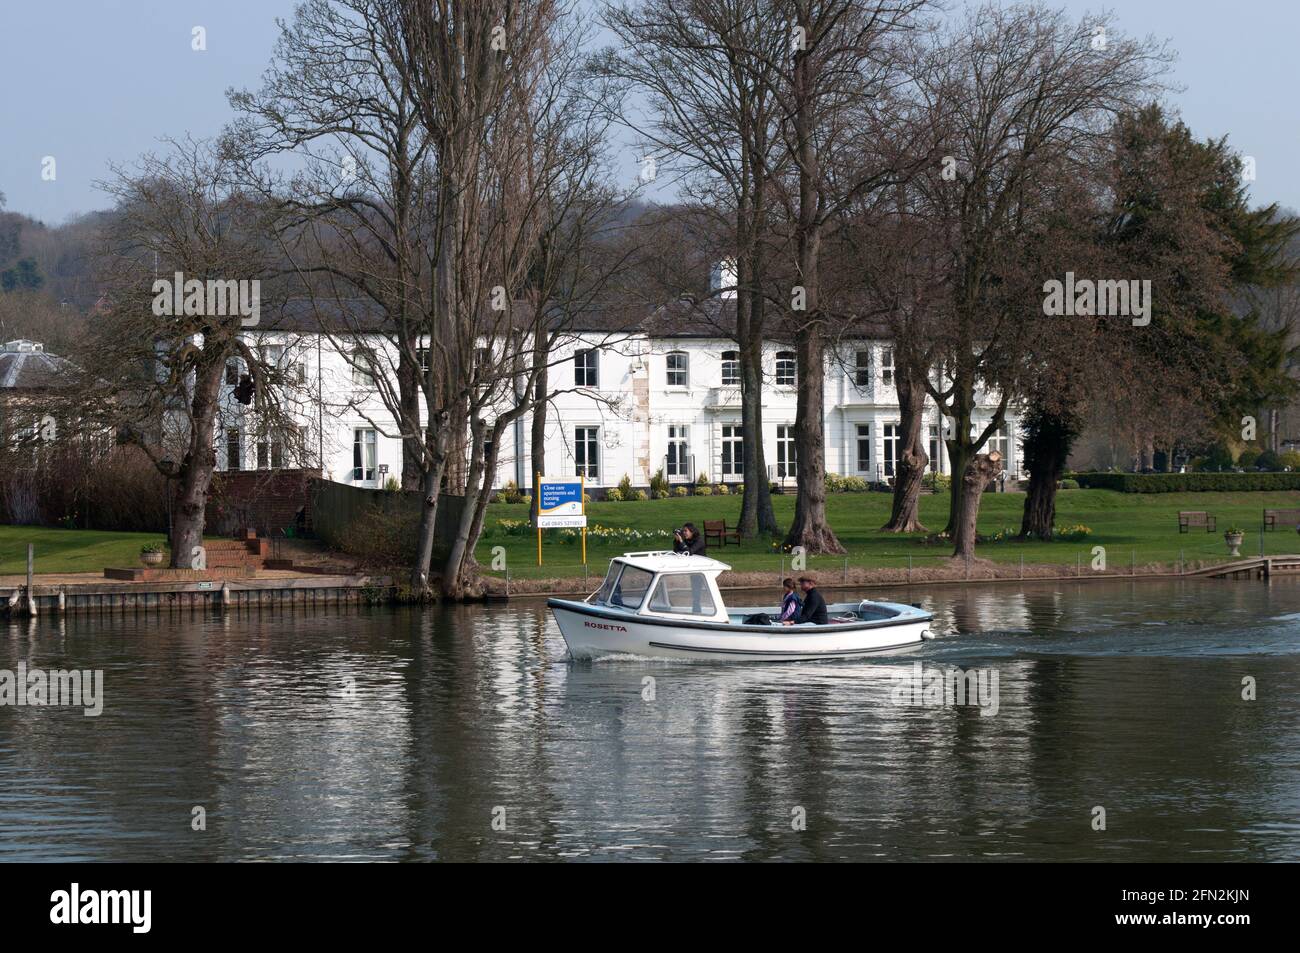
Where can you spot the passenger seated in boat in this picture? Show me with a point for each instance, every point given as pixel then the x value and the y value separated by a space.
pixel 790 604
pixel 814 606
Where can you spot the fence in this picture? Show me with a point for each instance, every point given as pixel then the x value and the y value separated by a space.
pixel 335 508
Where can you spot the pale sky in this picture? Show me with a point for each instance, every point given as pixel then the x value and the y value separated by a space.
pixel 91 82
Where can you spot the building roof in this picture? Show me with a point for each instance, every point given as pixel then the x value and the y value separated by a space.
pixel 24 365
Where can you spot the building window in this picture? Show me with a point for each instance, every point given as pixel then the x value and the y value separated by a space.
pixel 234 449
pixel 270 454
pixel 936 448
pixel 786 365
pixel 864 448
pixel 730 368
pixel 232 372
pixel 677 464
pixel 1001 444
pixel 733 451
pixel 586 453
pixel 892 432
pixel 422 355
pixel 365 455
pixel 362 369
pixel 862 369
pixel 785 452
pixel 586 372
pixel 678 374
pixel 300 372
pixel 887 366
pixel 270 354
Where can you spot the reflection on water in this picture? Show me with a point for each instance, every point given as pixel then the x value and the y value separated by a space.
pixel 401 735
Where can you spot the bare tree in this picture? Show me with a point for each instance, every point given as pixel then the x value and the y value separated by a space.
pixel 182 233
pixel 708 70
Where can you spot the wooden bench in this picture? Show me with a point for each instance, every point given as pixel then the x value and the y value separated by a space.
pixel 1275 518
pixel 1189 518
pixel 717 529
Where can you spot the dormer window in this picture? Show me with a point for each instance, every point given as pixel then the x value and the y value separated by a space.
pixel 678 369
pixel 586 370
pixel 862 369
pixel 730 368
pixel 786 368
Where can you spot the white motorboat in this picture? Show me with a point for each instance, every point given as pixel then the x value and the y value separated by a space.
pixel 667 605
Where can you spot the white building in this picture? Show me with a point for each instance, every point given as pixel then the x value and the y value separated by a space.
pixel 663 395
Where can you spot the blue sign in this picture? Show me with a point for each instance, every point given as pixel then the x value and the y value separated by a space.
pixel 560 503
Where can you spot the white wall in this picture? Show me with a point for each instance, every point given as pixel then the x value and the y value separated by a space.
pixel 632 407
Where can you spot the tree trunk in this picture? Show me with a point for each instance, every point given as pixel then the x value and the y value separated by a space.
pixel 756 514
pixel 1040 502
pixel 980 471
pixel 809 528
pixel 1048 439
pixel 912 459
pixel 409 390
pixel 458 569
pixel 537 438
pixel 428 524
pixel 195 477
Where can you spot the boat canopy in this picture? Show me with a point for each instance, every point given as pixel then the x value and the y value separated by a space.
pixel 672 585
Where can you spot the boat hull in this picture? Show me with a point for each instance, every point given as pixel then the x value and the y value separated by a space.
pixel 592 632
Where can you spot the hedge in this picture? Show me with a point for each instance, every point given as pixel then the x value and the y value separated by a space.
pixel 1187 482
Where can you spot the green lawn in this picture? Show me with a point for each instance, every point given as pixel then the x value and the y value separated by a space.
pixel 1132 526
pixel 70 550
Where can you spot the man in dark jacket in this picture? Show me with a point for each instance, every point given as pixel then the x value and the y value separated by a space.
pixel 814 606
pixel 688 540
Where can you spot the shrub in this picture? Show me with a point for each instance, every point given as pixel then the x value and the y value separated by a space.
pixel 1218 460
pixel 853 484
pixel 723 489
pixel 510 493
pixel 1068 484
pixel 659 483
pixel 381 538
pixel 391 485
pixel 936 481
pixel 625 488
pixel 1188 482
pixel 1071 534
pixel 704 491
pixel 1268 460
pixel 1248 458
pixel 663 494
pixel 679 491
pixel 834 484
pixel 614 495
pixel 1290 459
pixel 640 496
pixel 702 479
pixel 151 548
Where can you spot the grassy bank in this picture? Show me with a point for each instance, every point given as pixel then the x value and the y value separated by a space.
pixel 1134 528
pixel 70 550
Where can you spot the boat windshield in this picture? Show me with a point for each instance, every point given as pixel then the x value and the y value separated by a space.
pixel 685 593
pixel 625 586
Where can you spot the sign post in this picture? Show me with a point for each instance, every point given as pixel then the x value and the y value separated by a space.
pixel 561 503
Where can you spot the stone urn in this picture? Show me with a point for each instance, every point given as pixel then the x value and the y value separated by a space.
pixel 153 558
pixel 1233 538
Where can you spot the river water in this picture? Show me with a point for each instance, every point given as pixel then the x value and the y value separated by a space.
pixel 1118 731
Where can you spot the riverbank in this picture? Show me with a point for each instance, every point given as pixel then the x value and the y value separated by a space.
pixel 1138 534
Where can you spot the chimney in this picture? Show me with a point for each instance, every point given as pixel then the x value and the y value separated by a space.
pixel 723 278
